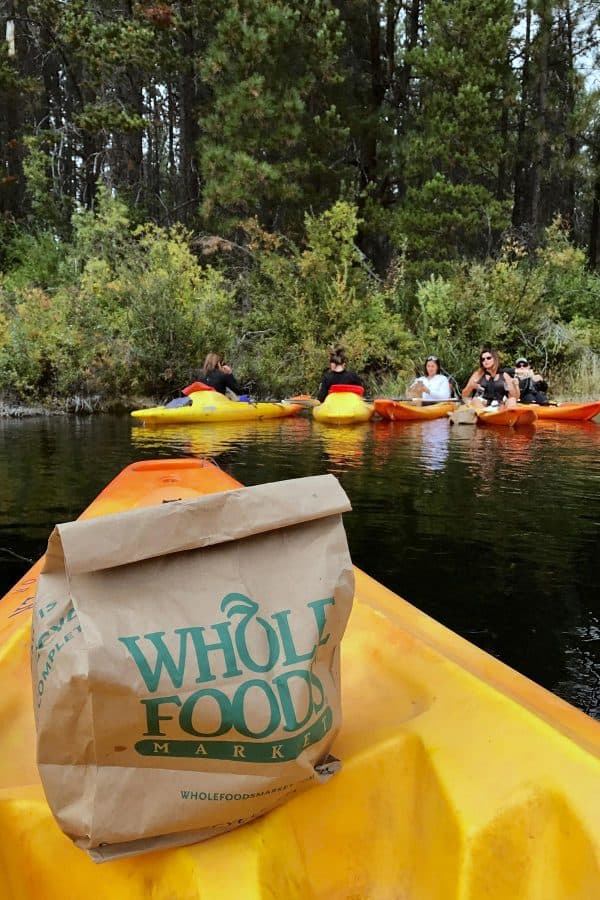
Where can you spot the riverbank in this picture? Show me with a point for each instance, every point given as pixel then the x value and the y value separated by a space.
pixel 78 406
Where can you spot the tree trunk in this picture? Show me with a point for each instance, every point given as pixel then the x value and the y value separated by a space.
pixel 519 215
pixel 12 184
pixel 540 134
pixel 594 243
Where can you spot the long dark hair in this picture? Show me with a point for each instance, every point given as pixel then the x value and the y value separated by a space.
pixel 495 357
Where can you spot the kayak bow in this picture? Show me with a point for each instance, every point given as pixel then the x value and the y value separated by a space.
pixel 461 779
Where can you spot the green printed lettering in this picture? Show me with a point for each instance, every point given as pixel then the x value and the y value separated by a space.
pixel 251 751
pixel 239 604
pixel 237 706
pixel 316 683
pixel 44 636
pixel 153 719
pixel 46 609
pixel 291 654
pixel 302 690
pixel 318 608
pixel 189 707
pixel 202 649
pixel 164 659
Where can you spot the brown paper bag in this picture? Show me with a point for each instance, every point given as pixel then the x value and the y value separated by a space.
pixel 185 662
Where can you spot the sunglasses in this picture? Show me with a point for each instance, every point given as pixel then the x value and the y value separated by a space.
pixel 485 358
pixel 521 365
pixel 432 359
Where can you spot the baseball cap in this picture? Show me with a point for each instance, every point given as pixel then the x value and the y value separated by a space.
pixel 521 359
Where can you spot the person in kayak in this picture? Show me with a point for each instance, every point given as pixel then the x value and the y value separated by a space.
pixel 338 374
pixel 216 374
pixel 433 385
pixel 489 385
pixel 532 386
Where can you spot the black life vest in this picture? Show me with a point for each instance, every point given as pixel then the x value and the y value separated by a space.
pixel 493 388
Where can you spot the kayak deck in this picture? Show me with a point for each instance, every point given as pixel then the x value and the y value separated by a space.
pixel 409 411
pixel 461 779
pixel 567 412
pixel 343 409
pixel 513 416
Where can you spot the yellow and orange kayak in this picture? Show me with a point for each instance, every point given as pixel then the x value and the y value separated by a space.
pixel 567 412
pixel 210 406
pixel 461 779
pixel 343 409
pixel 503 415
pixel 413 411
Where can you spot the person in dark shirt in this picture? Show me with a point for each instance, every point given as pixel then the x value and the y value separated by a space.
pixel 532 386
pixel 216 374
pixel 489 384
pixel 338 374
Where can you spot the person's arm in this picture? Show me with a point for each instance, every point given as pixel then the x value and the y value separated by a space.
pixel 231 383
pixel 471 385
pixel 512 386
pixel 324 388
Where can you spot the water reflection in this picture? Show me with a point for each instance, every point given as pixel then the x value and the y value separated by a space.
pixel 213 438
pixel 434 444
pixel 344 445
pixel 492 531
pixel 499 453
pixel 427 443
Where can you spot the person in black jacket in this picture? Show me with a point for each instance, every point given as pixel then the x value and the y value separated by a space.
pixel 338 374
pixel 532 386
pixel 216 374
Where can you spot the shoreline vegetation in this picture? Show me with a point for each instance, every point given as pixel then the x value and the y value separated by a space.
pixel 121 310
pixel 269 180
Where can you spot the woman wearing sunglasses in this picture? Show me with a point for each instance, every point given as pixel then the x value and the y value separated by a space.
pixel 489 384
pixel 532 386
pixel 432 385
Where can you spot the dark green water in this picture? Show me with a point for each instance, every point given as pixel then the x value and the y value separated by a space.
pixel 492 531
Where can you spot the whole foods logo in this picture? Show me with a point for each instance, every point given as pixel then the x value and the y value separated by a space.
pixel 292 702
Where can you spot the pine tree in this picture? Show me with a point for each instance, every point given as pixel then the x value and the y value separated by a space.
pixel 272 145
pixel 455 147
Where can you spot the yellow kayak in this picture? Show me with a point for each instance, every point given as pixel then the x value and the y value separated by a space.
pixel 210 406
pixel 461 779
pixel 343 407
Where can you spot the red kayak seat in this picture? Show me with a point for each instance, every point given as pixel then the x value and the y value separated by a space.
pixel 196 386
pixel 346 389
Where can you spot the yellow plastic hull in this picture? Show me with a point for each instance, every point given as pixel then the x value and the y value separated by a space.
pixel 210 406
pixel 343 409
pixel 461 779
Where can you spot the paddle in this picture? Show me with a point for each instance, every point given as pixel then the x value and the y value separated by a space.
pixel 304 400
pixel 419 402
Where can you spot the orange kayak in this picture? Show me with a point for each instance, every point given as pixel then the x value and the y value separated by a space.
pixel 512 416
pixel 567 412
pixel 409 411
pixel 460 777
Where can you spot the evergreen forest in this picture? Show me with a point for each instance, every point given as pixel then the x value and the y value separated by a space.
pixel 272 178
